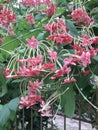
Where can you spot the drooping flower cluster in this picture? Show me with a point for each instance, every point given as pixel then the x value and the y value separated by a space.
pixel 33 96
pixel 33 66
pixel 59 32
pixel 7 16
pixel 50 7
pixel 32 42
pixel 31 2
pixel 81 17
pixel 45 109
pixel 85 50
pixel 30 19
pixel 65 70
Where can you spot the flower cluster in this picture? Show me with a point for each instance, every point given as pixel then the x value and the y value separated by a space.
pixel 31 2
pixel 50 6
pixel 30 19
pixel 50 9
pixel 85 50
pixel 7 17
pixel 33 96
pixel 32 42
pixel 81 17
pixel 59 32
pixel 49 58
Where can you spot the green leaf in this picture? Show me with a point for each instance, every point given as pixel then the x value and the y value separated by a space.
pixel 68 102
pixel 96 58
pixel 60 11
pixel 4 115
pixel 1 58
pixel 9 44
pixel 72 28
pixel 12 115
pixel 2 83
pixel 8 111
pixel 94 11
pixel 3 128
pixel 13 104
pixel 1 106
pixel 40 36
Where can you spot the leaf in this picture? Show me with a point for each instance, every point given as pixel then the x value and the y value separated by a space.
pixel 2 83
pixel 68 102
pixel 3 128
pixel 4 115
pixel 40 36
pixel 12 115
pixel 9 44
pixel 8 111
pixel 72 28
pixel 96 58
pixel 1 106
pixel 94 11
pixel 13 104
pixel 1 58
pixel 60 11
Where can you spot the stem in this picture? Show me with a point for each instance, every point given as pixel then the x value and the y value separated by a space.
pixel 5 50
pixel 86 98
pixel 53 97
pixel 59 64
pixel 73 55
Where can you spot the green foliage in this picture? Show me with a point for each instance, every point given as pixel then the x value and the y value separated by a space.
pixel 16 44
pixel 68 101
pixel 8 112
pixel 72 28
pixel 3 86
pixel 8 46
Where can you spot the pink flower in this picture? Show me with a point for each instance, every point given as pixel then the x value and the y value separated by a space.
pixel 67 70
pixel 57 27
pixel 51 27
pixel 86 72
pixel 49 65
pixel 58 73
pixel 61 38
pixel 33 96
pixel 34 61
pixel 30 19
pixel 28 71
pixel 30 66
pixel 92 52
pixel 10 30
pixel 31 2
pixel 95 40
pixel 50 9
pixel 7 17
pixel 1 40
pixel 33 87
pixel 86 41
pixel 32 42
pixel 52 55
pixel 71 80
pixel 69 61
pixel 45 109
pixel 30 100
pixel 24 102
pixel 85 58
pixel 81 17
